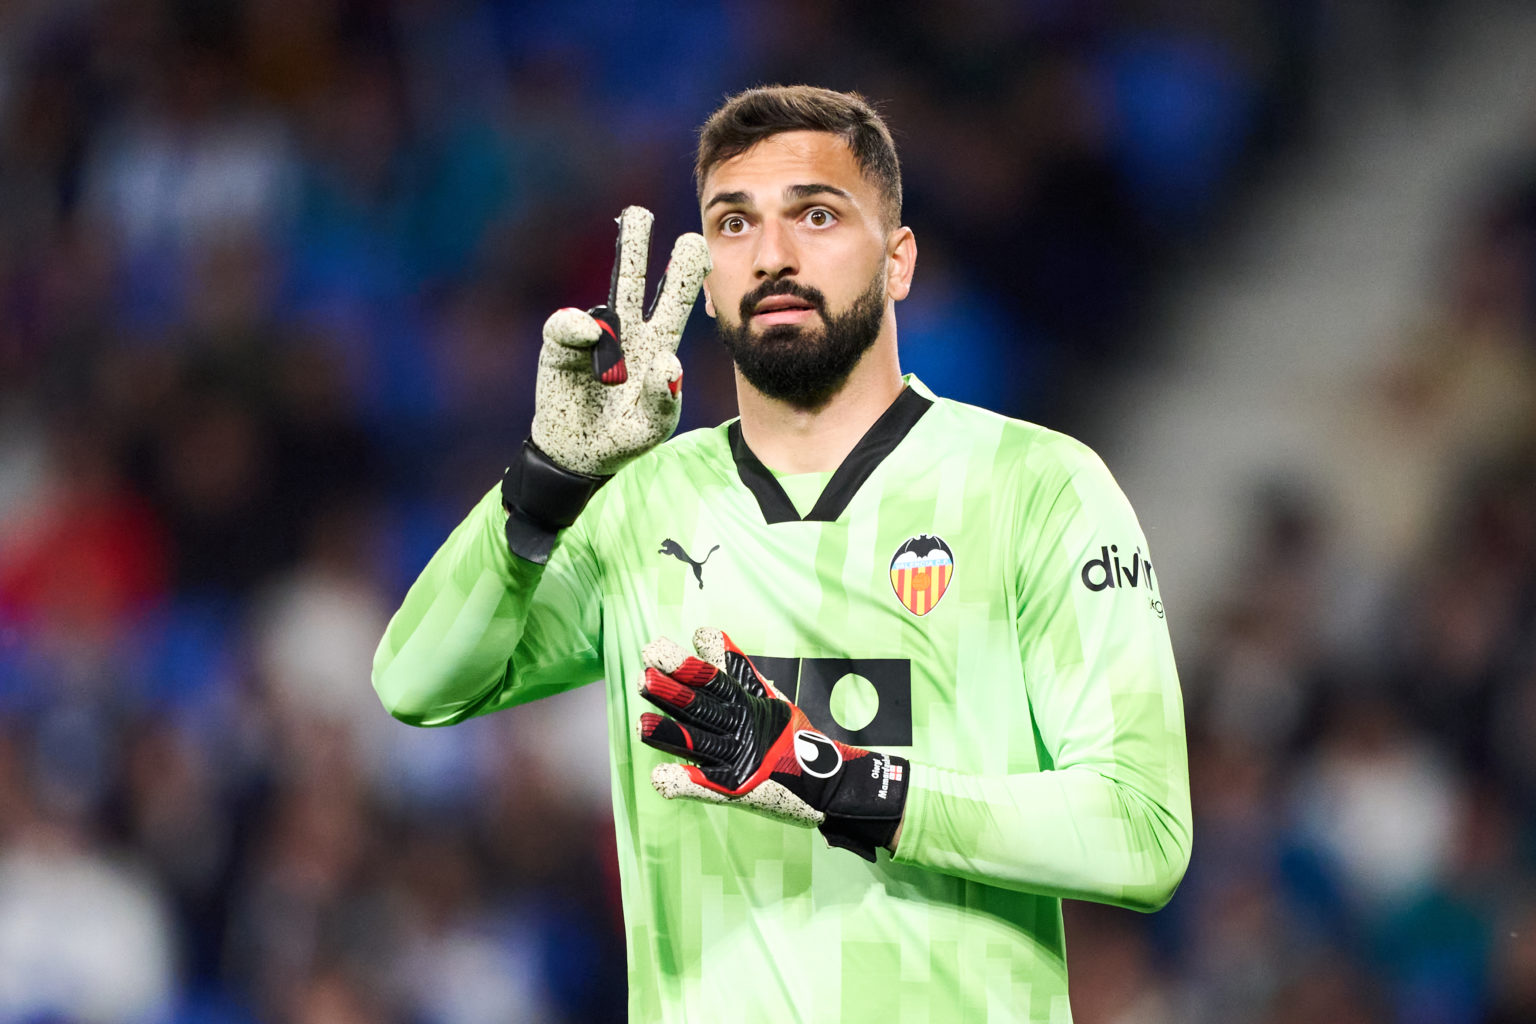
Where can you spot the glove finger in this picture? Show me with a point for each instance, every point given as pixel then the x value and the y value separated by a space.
pixel 664 654
pixel 685 780
pixel 569 335
pixel 715 646
pixel 779 803
pixel 697 707
pixel 608 364
pixel 626 289
pixel 679 288
pixel 710 642
pixel 664 386
pixel 699 782
pixel 667 657
pixel 675 781
pixel 691 703
pixel 678 740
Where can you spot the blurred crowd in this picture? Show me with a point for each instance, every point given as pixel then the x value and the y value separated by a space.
pixel 271 282
pixel 1363 718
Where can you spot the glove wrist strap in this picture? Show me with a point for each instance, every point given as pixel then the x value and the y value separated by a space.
pixel 542 498
pixel 869 804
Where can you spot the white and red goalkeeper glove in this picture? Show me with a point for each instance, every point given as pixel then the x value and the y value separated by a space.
pixel 609 388
pixel 752 748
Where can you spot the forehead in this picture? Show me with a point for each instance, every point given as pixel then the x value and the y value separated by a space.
pixel 789 158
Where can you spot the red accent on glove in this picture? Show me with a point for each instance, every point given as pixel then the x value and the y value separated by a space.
pixel 668 689
pixel 691 671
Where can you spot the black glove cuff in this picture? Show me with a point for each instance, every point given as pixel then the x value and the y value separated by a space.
pixel 542 498
pixel 869 805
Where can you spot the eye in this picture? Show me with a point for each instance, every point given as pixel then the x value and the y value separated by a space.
pixel 820 217
pixel 734 224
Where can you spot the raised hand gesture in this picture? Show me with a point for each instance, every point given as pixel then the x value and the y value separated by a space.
pixel 609 388
pixel 609 384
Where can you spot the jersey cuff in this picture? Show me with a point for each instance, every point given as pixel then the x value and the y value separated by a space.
pixel 914 816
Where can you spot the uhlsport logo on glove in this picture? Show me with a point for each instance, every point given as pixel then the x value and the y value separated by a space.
pixel 817 754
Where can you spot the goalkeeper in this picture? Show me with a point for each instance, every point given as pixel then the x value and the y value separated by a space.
pixel 930 692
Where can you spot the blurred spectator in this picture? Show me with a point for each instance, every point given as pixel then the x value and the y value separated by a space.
pixel 84 552
pixel 1379 806
pixel 67 917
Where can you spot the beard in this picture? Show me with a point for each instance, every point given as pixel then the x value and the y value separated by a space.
pixel 804 368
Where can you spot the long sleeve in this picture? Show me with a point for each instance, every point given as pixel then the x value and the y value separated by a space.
pixel 1107 818
pixel 481 629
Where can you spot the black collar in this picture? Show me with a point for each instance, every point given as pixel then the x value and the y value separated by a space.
pixel 878 442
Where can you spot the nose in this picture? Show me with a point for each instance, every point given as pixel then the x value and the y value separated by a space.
pixel 776 253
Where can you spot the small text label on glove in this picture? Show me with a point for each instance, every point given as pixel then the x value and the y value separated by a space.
pixel 886 771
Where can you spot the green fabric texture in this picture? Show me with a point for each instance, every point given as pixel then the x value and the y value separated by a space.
pixel 1036 698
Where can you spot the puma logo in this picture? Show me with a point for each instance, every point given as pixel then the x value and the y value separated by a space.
pixel 673 548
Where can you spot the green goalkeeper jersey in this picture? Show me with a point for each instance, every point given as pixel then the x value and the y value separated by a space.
pixel 970 591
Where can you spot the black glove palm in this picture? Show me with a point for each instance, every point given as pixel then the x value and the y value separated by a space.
pixel 752 747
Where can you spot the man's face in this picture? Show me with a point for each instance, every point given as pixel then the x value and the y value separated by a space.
pixel 802 265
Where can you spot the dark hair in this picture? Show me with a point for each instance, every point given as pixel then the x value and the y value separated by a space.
pixel 750 117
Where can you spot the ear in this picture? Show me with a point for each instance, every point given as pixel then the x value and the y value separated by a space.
pixel 709 302
pixel 900 262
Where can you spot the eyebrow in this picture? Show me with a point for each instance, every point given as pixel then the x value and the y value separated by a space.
pixel 806 191
pixel 790 192
pixel 734 198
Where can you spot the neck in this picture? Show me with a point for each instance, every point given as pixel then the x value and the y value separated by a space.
pixel 793 440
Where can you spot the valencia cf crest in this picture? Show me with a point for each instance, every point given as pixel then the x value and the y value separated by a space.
pixel 921 571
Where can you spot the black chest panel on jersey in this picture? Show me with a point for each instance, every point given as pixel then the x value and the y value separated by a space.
pixel 809 682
